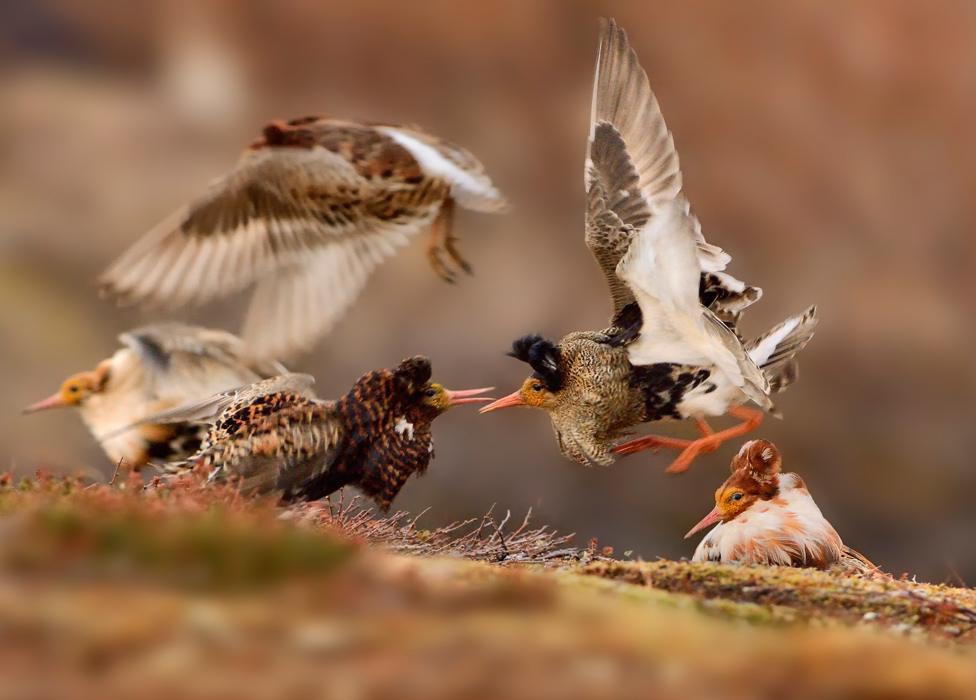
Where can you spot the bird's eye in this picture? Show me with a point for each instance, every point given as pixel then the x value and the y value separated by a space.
pixel 73 389
pixel 430 393
pixel 537 387
pixel 737 496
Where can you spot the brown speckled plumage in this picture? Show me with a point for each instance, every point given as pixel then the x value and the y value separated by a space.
pixel 602 395
pixel 309 211
pixel 275 437
pixel 673 348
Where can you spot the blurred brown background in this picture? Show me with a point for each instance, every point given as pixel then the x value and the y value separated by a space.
pixel 829 147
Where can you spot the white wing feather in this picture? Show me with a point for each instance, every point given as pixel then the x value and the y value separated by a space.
pixel 666 257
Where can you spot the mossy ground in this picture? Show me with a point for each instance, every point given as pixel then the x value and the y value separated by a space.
pixel 195 591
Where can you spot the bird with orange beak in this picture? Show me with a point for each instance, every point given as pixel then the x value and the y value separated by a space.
pixel 276 437
pixel 673 349
pixel 158 367
pixel 762 516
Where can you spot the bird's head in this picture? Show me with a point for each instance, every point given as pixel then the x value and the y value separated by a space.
pixel 437 398
pixel 541 388
pixel 755 477
pixel 74 391
pixel 412 377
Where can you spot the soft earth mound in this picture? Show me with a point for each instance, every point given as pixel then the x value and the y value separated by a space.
pixel 185 590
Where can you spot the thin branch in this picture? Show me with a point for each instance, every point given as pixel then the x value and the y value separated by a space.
pixel 481 538
pixel 115 474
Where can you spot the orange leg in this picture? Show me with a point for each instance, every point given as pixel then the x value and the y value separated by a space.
pixel 656 442
pixel 690 449
pixel 651 442
pixel 703 427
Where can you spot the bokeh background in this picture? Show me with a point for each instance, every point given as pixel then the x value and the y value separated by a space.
pixel 828 146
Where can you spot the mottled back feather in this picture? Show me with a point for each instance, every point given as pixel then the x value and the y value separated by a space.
pixel 308 213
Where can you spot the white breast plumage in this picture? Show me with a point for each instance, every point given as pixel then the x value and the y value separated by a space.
pixel 788 530
pixel 404 427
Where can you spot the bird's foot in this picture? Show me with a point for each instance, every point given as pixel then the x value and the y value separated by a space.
pixel 690 453
pixel 711 440
pixel 435 256
pixel 443 245
pixel 450 246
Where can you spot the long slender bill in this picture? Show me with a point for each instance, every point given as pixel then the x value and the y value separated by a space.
pixel 54 401
pixel 467 395
pixel 513 399
pixel 713 517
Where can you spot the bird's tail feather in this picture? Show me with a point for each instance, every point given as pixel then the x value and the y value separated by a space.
pixel 775 351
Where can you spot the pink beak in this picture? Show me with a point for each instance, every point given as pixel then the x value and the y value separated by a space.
pixel 513 399
pixel 710 519
pixel 54 401
pixel 457 398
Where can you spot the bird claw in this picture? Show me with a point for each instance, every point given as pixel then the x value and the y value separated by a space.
pixel 435 257
pixel 450 245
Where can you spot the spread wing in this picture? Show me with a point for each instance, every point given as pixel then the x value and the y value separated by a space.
pixel 310 212
pixel 640 223
pixel 631 164
pixel 183 362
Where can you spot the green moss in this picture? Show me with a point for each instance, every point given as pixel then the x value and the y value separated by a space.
pixel 775 595
pixel 175 538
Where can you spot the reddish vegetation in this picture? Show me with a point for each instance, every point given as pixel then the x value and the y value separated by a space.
pixel 171 589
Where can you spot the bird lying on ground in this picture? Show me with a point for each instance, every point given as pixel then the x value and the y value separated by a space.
pixel 276 437
pixel 159 367
pixel 672 350
pixel 763 516
pixel 308 212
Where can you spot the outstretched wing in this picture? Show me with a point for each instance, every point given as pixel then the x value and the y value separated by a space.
pixel 183 362
pixel 309 211
pixel 632 165
pixel 657 250
pixel 271 209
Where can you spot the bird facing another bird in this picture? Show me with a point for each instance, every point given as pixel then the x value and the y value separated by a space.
pixel 310 210
pixel 672 350
pixel 276 437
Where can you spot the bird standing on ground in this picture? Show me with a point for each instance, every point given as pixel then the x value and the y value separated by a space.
pixel 276 437
pixel 672 350
pixel 312 207
pixel 766 517
pixel 159 367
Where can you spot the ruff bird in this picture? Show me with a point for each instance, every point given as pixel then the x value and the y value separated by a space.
pixel 672 350
pixel 763 516
pixel 158 367
pixel 276 437
pixel 306 215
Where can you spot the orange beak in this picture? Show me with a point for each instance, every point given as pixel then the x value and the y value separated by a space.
pixel 709 519
pixel 456 398
pixel 54 401
pixel 513 399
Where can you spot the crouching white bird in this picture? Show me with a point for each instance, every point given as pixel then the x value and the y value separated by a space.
pixel 763 516
pixel 306 215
